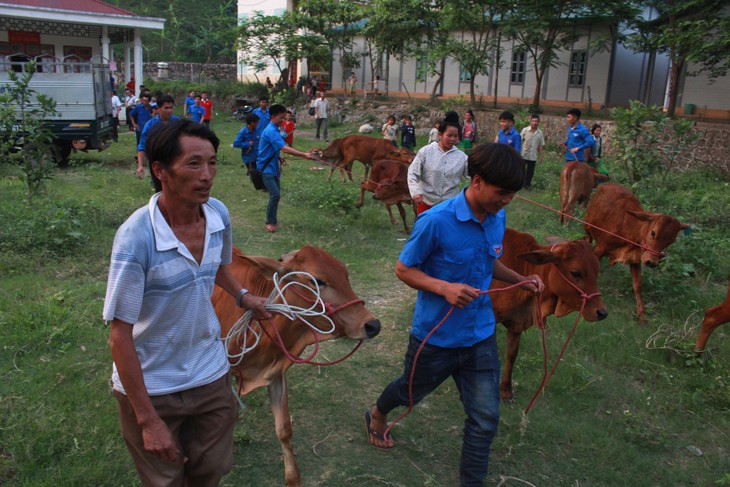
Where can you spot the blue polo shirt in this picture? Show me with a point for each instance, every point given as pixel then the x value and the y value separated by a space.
pixel 270 144
pixel 243 142
pixel 141 115
pixel 511 138
pixel 264 119
pixel 579 137
pixel 450 244
pixel 148 127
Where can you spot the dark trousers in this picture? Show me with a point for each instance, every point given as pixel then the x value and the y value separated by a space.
pixel 529 172
pixel 475 371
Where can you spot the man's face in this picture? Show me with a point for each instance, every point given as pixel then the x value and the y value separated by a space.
pixel 321 95
pixel 533 123
pixel 204 96
pixel 165 110
pixel 490 198
pixel 278 119
pixel 572 119
pixel 505 124
pixel 189 178
pixel 263 104
pixel 197 101
pixel 146 101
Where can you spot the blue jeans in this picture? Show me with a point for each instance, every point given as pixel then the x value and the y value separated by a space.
pixel 475 371
pixel 273 187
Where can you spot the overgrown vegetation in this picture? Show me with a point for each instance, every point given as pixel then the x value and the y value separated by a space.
pixel 24 129
pixel 618 398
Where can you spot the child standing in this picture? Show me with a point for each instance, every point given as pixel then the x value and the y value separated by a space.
pixel 248 141
pixel 289 126
pixel 408 133
pixel 433 135
pixel 390 130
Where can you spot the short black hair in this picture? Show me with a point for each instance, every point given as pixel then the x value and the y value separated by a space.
pixel 162 99
pixel 277 109
pixel 497 164
pixel 264 98
pixel 573 111
pixel 535 115
pixel 163 144
pixel 595 126
pixel 507 116
pixel 250 118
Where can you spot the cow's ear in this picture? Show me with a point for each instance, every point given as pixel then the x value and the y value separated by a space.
pixel 602 177
pixel 266 266
pixel 539 257
pixel 552 240
pixel 642 215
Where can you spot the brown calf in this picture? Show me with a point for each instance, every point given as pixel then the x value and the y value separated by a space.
pixel 616 209
pixel 714 317
pixel 389 183
pixel 266 365
pixel 341 153
pixel 577 180
pixel 556 264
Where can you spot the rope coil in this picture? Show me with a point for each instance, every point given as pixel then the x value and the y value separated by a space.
pixel 239 332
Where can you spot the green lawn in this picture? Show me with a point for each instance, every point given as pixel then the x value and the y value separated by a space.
pixel 619 411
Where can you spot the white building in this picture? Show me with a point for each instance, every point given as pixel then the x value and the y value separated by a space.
pixel 68 30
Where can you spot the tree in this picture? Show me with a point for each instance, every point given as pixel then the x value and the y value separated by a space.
pixel 544 28
pixel 264 38
pixel 336 22
pixel 476 23
pixel 695 34
pixel 23 114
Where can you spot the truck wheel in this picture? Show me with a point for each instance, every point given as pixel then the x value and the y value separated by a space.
pixel 61 152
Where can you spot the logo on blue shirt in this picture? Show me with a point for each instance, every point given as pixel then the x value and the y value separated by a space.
pixel 497 249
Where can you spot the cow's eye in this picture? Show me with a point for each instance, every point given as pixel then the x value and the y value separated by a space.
pixel 576 274
pixel 653 234
pixel 320 282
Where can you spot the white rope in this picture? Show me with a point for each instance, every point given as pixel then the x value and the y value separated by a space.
pixel 239 332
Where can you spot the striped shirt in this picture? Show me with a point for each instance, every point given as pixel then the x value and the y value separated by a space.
pixel 156 285
pixel 435 174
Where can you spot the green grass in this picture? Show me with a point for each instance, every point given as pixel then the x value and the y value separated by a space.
pixel 616 412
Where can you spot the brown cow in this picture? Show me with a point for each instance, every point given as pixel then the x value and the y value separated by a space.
pixel 389 183
pixel 341 153
pixel 616 209
pixel 577 180
pixel 574 259
pixel 714 317
pixel 266 365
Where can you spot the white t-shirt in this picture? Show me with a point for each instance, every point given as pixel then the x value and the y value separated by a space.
pixel 116 105
pixel 320 106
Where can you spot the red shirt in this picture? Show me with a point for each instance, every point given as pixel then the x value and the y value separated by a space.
pixel 208 105
pixel 289 127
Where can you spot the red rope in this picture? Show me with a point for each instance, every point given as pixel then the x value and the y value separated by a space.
pixel 418 353
pixel 641 246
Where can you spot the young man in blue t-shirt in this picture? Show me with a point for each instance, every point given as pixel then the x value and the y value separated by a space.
pixel 450 257
pixel 578 137
pixel 267 162
pixel 248 142
pixel 507 134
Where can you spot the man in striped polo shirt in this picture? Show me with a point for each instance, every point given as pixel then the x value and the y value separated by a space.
pixel 170 374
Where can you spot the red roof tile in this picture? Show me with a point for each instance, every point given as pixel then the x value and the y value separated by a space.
pixel 94 6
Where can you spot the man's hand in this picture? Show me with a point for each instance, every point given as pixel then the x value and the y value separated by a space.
pixel 158 440
pixel 140 172
pixel 417 199
pixel 309 155
pixel 459 295
pixel 533 284
pixel 256 304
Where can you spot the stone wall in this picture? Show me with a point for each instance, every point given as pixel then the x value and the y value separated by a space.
pixel 193 72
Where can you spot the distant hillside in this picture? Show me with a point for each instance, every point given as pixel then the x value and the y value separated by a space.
pixel 194 31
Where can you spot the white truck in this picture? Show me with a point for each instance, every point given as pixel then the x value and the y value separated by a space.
pixel 82 92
